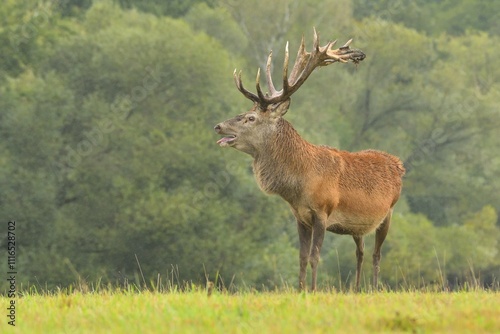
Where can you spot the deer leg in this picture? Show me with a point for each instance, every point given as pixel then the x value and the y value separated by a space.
pixel 379 240
pixel 305 235
pixel 318 235
pixel 360 246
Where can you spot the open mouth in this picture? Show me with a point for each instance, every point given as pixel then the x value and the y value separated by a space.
pixel 226 141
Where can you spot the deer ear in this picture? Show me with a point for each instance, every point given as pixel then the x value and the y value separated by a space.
pixel 280 109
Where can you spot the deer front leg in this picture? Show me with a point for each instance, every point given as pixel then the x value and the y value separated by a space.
pixel 318 235
pixel 305 234
pixel 360 245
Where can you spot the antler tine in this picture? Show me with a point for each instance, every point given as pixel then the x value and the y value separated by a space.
pixel 316 41
pixel 347 44
pixel 331 57
pixel 330 45
pixel 285 67
pixel 243 90
pixel 257 86
pixel 272 90
pixel 301 59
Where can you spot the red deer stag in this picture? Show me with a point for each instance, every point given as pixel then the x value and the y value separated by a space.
pixel 327 189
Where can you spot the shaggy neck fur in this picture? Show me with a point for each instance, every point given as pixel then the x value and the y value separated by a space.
pixel 280 164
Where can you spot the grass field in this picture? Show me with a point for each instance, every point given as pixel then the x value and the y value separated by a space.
pixel 269 312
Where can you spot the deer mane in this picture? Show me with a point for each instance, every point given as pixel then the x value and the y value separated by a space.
pixel 286 159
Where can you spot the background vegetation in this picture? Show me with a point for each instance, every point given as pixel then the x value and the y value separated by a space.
pixel 108 157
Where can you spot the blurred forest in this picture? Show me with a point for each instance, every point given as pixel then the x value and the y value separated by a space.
pixel 108 155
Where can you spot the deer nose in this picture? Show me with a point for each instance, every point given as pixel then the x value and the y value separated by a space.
pixel 217 128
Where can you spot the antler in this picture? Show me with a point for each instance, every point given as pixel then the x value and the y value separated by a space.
pixel 304 65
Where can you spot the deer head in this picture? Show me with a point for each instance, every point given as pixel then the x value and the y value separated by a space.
pixel 248 132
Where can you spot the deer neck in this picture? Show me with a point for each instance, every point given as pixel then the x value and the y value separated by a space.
pixel 282 161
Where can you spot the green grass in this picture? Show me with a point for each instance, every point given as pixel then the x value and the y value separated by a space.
pixel 267 312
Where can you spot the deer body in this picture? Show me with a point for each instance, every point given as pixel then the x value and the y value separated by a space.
pixel 322 178
pixel 326 188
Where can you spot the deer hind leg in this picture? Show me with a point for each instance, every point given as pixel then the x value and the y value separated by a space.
pixel 380 235
pixel 305 236
pixel 360 246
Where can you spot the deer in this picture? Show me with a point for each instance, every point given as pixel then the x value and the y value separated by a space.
pixel 327 189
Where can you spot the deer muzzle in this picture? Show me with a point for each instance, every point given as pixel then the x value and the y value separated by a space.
pixel 227 140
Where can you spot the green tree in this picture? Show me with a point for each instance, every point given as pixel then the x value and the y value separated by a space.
pixel 28 32
pixel 453 146
pixel 477 255
pixel 434 17
pixel 173 8
pixel 33 112
pixel 134 170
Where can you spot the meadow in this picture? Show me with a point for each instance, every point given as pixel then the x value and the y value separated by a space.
pixel 197 311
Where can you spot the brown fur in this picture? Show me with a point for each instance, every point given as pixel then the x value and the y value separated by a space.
pixel 343 192
pixel 327 189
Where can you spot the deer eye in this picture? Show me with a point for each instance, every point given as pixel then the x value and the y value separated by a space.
pixel 251 118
